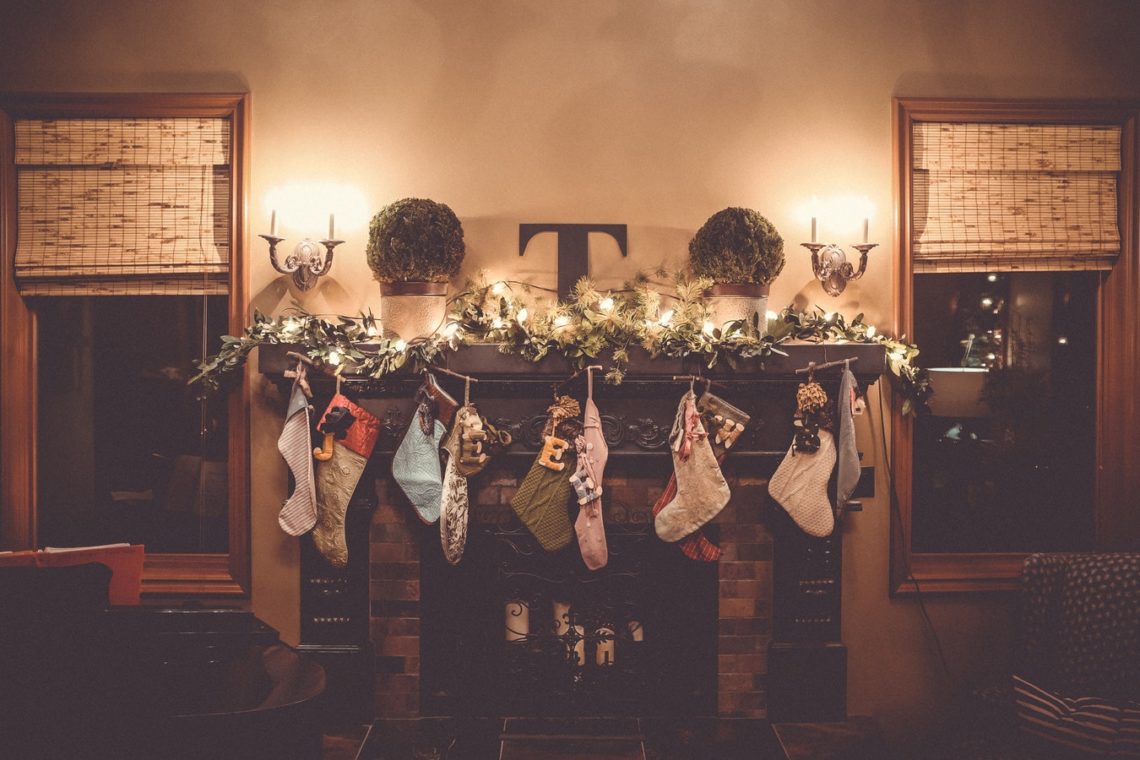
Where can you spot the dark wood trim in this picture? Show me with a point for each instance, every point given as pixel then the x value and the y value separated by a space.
pixel 1118 426
pixel 17 375
pixel 183 574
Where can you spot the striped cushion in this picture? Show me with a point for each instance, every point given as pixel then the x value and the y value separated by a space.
pixel 1089 726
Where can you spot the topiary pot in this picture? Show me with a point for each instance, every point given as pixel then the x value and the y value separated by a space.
pixel 413 309
pixel 415 246
pixel 728 302
pixel 742 253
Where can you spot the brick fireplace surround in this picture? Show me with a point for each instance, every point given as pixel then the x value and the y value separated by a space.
pixel 744 585
pixel 777 628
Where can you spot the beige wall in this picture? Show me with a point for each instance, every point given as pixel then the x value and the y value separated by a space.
pixel 653 114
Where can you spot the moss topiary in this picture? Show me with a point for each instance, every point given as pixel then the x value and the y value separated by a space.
pixel 415 239
pixel 737 245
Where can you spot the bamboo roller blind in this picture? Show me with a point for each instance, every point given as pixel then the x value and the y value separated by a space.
pixel 1006 197
pixel 123 206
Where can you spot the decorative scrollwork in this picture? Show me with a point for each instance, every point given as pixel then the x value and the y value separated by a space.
pixel 647 434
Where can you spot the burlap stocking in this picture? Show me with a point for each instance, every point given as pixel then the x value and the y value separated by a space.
pixel 697 546
pixel 299 513
pixel 799 485
pixel 701 488
pixel 355 431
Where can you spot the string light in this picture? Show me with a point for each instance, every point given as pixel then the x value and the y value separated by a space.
pixel 561 320
pixel 400 345
pixel 771 315
pixel 828 315
pixel 373 330
pixel 708 328
pixel 451 329
pixel 334 357
pixel 991 278
pixel 496 324
pixel 606 304
pixel 666 318
pixel 870 331
pixel 521 316
pixel 1062 340
pixel 987 302
pixel 499 288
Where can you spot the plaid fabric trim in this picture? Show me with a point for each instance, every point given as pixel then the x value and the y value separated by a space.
pixel 697 546
pixel 1089 725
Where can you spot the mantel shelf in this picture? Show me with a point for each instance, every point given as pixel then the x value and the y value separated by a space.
pixel 486 363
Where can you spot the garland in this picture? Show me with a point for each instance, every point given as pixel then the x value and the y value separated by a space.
pixel 581 329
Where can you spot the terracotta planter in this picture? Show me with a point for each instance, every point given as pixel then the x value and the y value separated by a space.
pixel 732 301
pixel 413 309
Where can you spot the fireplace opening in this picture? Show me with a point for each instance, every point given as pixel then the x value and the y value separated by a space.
pixel 515 630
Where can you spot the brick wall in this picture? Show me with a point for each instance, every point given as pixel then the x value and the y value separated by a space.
pixel 744 583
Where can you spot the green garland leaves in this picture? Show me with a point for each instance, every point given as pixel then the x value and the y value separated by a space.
pixel 591 323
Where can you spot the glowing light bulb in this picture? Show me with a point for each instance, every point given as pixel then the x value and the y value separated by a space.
pixel 606 304
pixel 289 326
pixel 522 315
pixel 496 324
pixel 987 302
pixel 829 315
pixel 334 357
pixel 561 320
pixel 991 277
pixel 991 357
pixel 708 328
pixel 373 330
pixel 1062 340
pixel 665 318
pixel 870 331
pixel 400 344
pixel 771 315
pixel 451 329
pixel 499 288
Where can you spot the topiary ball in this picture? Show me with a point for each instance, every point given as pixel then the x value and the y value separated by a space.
pixel 415 239
pixel 737 245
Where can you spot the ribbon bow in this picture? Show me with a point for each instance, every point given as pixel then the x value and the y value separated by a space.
pixel 692 429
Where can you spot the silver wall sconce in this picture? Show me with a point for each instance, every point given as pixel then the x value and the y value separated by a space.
pixel 307 262
pixel 830 264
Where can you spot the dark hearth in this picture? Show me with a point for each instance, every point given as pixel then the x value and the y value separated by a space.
pixel 635 638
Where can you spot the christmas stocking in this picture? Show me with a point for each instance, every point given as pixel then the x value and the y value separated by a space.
pixel 542 498
pixel 350 433
pixel 453 511
pixel 587 483
pixel 799 485
pixel 698 546
pixel 299 513
pixel 416 467
pixel 701 488
pixel 847 453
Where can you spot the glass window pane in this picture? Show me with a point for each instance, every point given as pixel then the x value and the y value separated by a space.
pixel 1006 461
pixel 125 451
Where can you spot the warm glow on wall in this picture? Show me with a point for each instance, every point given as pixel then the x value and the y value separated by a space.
pixel 303 208
pixel 839 218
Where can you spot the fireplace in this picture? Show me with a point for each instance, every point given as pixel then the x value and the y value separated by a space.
pixel 653 634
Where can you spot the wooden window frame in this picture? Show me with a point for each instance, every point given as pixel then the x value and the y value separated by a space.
pixel 1117 479
pixel 163 574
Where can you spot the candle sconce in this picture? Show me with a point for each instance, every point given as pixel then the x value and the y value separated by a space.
pixel 306 263
pixel 831 267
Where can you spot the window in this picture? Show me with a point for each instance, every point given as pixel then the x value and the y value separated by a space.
pixel 1018 280
pixel 122 229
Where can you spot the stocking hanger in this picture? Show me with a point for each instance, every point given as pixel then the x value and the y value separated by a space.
pixel 699 378
pixel 589 378
pixel 812 367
